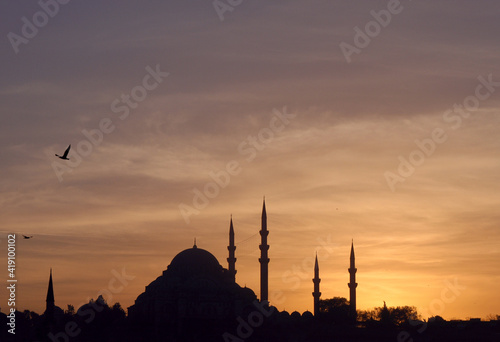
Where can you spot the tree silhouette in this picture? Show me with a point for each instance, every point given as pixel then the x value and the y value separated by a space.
pixel 396 316
pixel 367 315
pixel 70 311
pixel 335 309
pixel 384 315
pixel 388 316
pixel 99 322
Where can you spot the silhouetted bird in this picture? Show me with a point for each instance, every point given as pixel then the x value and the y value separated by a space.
pixel 27 237
pixel 65 155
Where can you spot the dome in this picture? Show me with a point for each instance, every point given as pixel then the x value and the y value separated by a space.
pixel 194 262
pixel 193 288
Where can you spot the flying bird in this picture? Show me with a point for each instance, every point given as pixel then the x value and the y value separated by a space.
pixel 65 155
pixel 27 237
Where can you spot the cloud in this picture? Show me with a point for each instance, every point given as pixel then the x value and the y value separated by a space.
pixel 119 207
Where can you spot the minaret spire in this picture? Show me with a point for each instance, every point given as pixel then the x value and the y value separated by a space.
pixel 264 259
pixel 316 294
pixel 50 291
pixel 352 283
pixel 49 308
pixel 231 261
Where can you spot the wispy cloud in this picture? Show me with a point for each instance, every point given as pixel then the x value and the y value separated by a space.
pixel 322 175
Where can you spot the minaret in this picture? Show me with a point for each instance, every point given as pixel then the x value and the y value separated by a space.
pixel 264 260
pixel 316 294
pixel 352 284
pixel 231 261
pixel 49 308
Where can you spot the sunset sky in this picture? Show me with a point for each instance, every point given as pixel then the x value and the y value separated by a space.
pixel 376 121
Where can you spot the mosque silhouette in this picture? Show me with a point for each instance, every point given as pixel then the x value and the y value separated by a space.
pixel 196 298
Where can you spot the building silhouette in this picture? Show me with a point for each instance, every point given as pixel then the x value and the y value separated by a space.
pixel 194 298
pixel 197 299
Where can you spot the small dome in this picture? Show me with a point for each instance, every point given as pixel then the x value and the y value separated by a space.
pixel 307 314
pixel 194 262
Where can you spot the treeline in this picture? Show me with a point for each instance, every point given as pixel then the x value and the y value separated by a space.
pixel 97 321
pixel 337 310
pixel 401 324
pixel 94 321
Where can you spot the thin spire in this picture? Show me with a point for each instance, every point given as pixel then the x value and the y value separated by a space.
pixel 316 267
pixel 50 291
pixel 194 246
pixel 50 305
pixel 50 302
pixel 352 283
pixel 352 253
pixel 316 280
pixel 231 260
pixel 231 229
pixel 264 259
pixel 264 214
